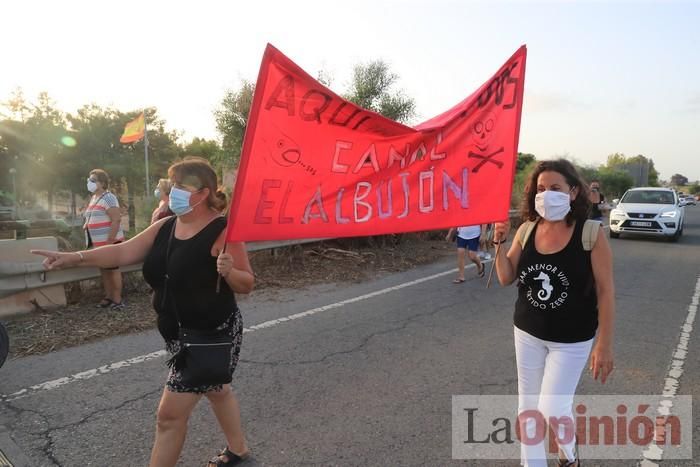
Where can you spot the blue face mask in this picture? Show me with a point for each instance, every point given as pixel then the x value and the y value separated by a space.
pixel 179 202
pixel 156 193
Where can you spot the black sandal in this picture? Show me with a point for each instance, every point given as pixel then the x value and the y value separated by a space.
pixel 233 459
pixel 105 303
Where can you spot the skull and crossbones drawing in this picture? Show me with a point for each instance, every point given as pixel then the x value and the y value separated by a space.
pixel 483 131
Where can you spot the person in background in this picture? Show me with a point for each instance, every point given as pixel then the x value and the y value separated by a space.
pixel 103 227
pixel 486 242
pixel 162 193
pixel 467 244
pixel 565 308
pixel 597 200
pixel 190 250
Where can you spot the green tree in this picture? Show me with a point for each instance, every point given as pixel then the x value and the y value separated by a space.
pixel 524 161
pixel 636 167
pixel 371 88
pixel 589 172
pixel 17 105
pixel 208 149
pixel 653 174
pixel 41 161
pixel 97 131
pixel 231 121
pixel 616 161
pixel 13 141
pixel 694 189
pixel 524 166
pixel 614 182
pixel 644 162
pixel 679 180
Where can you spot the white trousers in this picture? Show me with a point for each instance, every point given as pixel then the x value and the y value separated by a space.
pixel 548 373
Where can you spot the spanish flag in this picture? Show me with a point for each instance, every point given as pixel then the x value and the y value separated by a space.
pixel 134 130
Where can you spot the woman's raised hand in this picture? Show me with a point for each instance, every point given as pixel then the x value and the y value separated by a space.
pixel 500 231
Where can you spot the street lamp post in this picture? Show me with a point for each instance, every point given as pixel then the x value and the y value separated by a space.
pixel 13 171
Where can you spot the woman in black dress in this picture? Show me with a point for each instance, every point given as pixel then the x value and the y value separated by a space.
pixel 195 260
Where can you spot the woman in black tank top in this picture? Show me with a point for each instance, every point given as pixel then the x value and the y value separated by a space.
pixel 197 260
pixel 565 299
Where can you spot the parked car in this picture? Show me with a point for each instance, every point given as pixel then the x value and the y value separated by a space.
pixel 648 211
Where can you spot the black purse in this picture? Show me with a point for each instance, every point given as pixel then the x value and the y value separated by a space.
pixel 204 356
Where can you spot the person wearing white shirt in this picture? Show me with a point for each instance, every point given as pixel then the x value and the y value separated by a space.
pixel 467 245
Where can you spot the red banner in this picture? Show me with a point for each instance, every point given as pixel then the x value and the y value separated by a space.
pixel 315 165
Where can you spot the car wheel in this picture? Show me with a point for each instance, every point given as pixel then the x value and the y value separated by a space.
pixel 614 235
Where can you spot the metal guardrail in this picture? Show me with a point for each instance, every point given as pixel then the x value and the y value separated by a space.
pixel 19 277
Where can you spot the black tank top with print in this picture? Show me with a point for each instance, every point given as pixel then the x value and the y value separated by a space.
pixel 192 280
pixel 556 293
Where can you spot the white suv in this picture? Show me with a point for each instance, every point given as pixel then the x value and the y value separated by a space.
pixel 648 211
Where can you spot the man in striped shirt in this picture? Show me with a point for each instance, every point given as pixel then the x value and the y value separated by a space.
pixel 103 227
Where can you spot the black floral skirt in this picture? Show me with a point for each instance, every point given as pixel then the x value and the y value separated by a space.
pixel 234 324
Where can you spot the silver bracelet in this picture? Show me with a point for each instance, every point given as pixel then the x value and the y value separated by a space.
pixel 82 258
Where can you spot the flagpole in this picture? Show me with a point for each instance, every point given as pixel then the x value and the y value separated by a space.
pixel 145 150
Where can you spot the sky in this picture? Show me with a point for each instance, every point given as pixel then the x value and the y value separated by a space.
pixel 602 77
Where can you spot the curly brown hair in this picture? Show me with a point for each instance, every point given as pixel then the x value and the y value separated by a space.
pixel 580 207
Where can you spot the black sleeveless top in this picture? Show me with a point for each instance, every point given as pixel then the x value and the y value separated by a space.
pixel 192 280
pixel 595 208
pixel 556 293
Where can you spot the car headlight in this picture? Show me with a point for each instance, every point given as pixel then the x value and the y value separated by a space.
pixel 671 214
pixel 617 213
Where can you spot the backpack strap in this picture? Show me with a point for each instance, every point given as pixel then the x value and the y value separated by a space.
pixel 589 234
pixel 524 232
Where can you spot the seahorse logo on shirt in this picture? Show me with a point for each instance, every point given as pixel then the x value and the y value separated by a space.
pixel 547 287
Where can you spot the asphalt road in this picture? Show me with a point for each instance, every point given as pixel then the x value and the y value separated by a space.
pixel 367 380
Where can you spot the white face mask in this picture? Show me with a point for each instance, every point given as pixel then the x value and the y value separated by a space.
pixel 91 186
pixel 552 205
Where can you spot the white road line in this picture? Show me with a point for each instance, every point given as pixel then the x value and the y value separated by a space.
pixel 654 453
pixel 84 375
pixel 57 383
